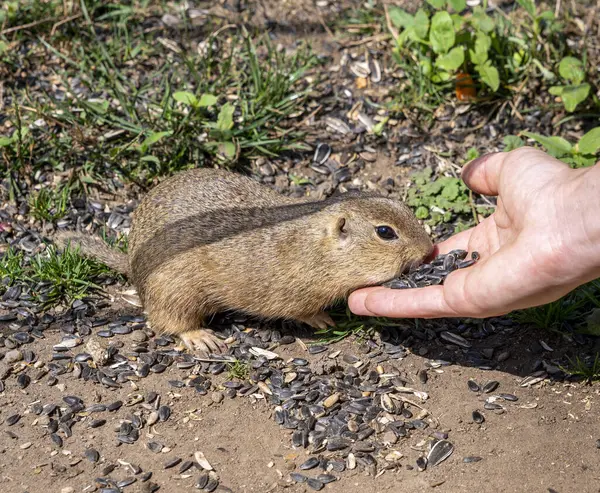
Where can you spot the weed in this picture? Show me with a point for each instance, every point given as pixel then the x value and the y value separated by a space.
pixel 49 205
pixel 587 368
pixel 442 199
pixel 565 314
pixel 237 370
pixel 580 154
pixel 66 276
pixel 11 267
pixel 444 45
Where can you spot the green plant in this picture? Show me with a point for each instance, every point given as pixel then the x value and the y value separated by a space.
pixel 444 44
pixel 576 91
pixel 48 205
pixel 581 154
pixel 69 275
pixel 11 267
pixel 441 199
pixel 586 368
pixel 238 369
pixel 572 309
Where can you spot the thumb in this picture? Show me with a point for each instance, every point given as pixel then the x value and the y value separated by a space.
pixel 482 175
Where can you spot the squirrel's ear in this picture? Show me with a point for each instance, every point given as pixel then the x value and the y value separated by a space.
pixel 341 228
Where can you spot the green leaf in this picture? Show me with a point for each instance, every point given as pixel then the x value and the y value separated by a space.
pixel 482 21
pixel 571 69
pixel 512 142
pixel 227 149
pixel 478 58
pixel 426 66
pixel 546 74
pixel 451 190
pixel 225 119
pixel 400 17
pixel 519 57
pixel 3 47
pixel 472 153
pixel 207 100
pixel 458 5
pixel 483 43
pixel 5 141
pixel 556 90
pixel 151 159
pixel 547 15
pixel 529 6
pixel 442 34
pixel 422 212
pixel 556 146
pixel 185 98
pixel 451 60
pixel 573 95
pixel 436 4
pixel 489 75
pixel 378 127
pixel 153 138
pixel 590 142
pixel 421 24
pixel 99 106
pixel 440 77
pixel 458 21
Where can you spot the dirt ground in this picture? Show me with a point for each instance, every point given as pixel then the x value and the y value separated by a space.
pixel 545 441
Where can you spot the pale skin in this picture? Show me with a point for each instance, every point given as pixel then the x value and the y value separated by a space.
pixel 542 241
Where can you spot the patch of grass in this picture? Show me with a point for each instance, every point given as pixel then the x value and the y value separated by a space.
pixel 586 368
pixel 11 267
pixel 63 277
pixel 237 370
pixel 146 108
pixel 566 314
pixel 49 205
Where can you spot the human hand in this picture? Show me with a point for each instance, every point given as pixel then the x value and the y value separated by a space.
pixel 542 241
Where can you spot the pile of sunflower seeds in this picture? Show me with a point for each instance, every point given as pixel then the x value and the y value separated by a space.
pixel 433 273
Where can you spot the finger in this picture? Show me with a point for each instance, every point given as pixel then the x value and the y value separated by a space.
pixel 356 302
pixel 426 302
pixel 482 175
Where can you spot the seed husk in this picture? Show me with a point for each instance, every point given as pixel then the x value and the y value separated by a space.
pixel 309 464
pixel 490 386
pixel 315 484
pixel 172 463
pixel 440 451
pixel 478 417
pixel 202 481
pixel 211 485
pixel 297 477
pixel 155 447
pixel 473 386
pixel 164 412
pixel 92 455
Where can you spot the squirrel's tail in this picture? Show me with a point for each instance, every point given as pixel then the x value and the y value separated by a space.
pixel 96 248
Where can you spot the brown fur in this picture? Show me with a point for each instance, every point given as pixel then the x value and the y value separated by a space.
pixel 206 240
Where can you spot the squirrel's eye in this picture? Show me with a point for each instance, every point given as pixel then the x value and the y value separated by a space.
pixel 386 233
